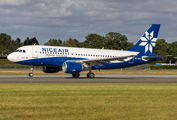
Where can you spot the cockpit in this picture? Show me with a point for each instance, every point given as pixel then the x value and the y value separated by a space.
pixel 21 51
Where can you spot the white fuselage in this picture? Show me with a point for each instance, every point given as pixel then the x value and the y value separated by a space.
pixel 39 52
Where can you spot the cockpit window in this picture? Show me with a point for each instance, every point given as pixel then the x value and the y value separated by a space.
pixel 21 51
pixel 16 50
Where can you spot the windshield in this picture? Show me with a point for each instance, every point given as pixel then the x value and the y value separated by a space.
pixel 21 51
pixel 16 50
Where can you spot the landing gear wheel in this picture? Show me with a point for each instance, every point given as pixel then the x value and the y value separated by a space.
pixel 31 74
pixel 75 75
pixel 90 75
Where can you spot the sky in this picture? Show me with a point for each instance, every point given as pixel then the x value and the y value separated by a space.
pixel 62 19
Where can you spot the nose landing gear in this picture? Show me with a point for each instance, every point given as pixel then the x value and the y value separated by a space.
pixel 31 73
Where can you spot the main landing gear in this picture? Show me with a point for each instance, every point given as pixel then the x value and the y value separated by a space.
pixel 75 75
pixel 31 73
pixel 90 74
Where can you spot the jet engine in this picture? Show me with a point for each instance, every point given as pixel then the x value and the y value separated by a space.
pixel 72 67
pixel 50 69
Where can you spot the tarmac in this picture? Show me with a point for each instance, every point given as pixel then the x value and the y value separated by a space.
pixel 84 79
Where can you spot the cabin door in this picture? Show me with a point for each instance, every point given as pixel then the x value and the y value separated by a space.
pixel 34 52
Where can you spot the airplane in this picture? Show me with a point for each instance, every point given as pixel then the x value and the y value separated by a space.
pixel 73 60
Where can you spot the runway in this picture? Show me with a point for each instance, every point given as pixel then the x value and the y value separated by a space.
pixel 84 79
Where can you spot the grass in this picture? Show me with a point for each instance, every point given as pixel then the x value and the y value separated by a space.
pixel 88 101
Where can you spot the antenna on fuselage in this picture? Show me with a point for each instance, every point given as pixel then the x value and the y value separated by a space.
pixel 103 48
pixel 34 44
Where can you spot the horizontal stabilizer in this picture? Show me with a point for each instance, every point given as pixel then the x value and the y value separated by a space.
pixel 153 57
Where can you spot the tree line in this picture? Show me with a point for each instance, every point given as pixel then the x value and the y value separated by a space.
pixel 112 40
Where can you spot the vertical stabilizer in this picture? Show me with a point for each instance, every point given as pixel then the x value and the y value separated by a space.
pixel 147 42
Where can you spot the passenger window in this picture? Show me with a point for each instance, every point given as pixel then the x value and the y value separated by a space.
pixel 24 51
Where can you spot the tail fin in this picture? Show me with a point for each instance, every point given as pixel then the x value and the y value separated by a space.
pixel 147 42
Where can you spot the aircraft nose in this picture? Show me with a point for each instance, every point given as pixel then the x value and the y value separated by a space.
pixel 10 57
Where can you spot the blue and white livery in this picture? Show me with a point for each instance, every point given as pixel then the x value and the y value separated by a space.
pixel 74 60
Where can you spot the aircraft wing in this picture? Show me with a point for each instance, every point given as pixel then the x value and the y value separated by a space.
pixel 152 57
pixel 93 62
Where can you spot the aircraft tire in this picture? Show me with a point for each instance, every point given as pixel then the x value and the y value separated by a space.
pixel 90 75
pixel 75 75
pixel 31 74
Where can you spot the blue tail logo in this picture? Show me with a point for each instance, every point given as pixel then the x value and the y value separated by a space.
pixel 147 42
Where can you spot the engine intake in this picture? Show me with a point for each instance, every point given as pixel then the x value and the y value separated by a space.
pixel 50 69
pixel 71 67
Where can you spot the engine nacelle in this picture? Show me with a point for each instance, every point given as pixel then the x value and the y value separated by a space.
pixel 72 67
pixel 50 69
